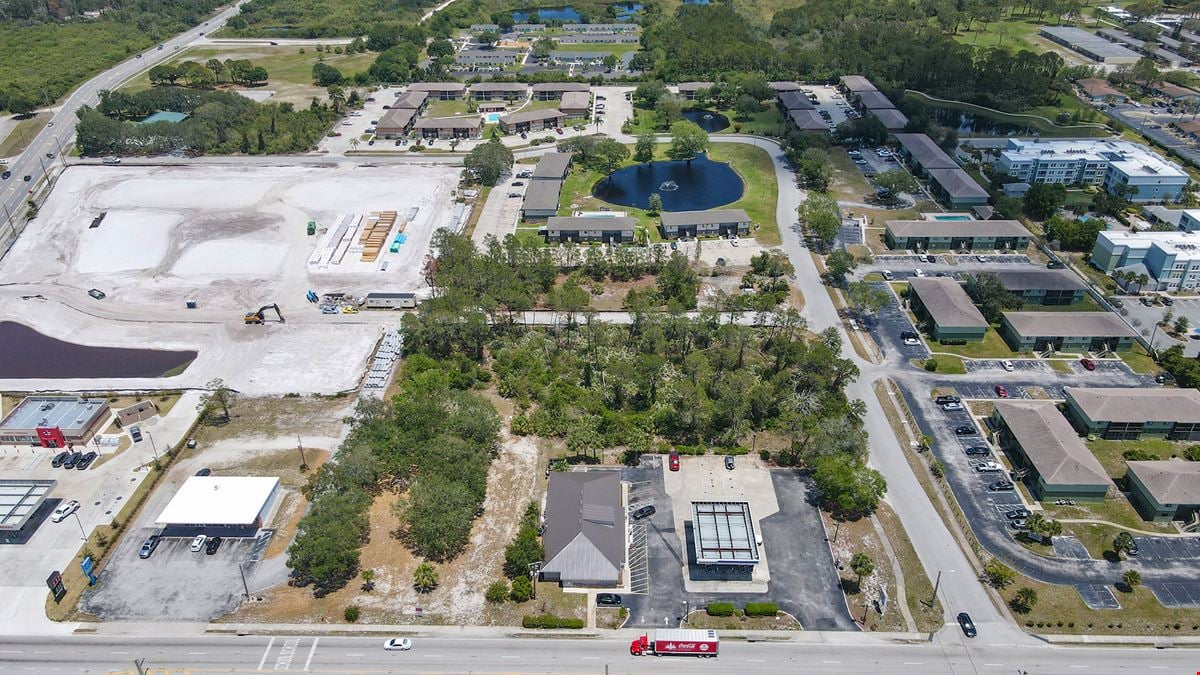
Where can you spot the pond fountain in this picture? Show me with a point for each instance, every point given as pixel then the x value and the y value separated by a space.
pixel 707 120
pixel 683 186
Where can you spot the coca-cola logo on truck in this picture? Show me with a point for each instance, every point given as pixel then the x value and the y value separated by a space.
pixel 685 646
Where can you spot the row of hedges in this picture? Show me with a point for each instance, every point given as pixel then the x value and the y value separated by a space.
pixel 750 609
pixel 550 621
pixel 696 450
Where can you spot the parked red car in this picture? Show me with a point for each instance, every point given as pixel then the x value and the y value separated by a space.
pixel 1088 363
pixel 673 461
pixel 1001 391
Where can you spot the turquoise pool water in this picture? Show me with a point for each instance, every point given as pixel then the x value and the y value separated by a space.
pixel 951 217
pixel 492 118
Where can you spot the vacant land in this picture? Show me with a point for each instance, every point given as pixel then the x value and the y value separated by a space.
pixel 289 67
pixel 22 134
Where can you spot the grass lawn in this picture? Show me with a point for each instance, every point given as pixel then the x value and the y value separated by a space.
pixel 1139 361
pixel 947 365
pixel 1033 121
pixel 767 122
pixel 290 72
pixel 991 347
pixel 1059 609
pixel 1110 452
pixel 1088 305
pixel 1060 366
pixel 23 134
pixel 439 108
pixel 618 48
pixel 754 165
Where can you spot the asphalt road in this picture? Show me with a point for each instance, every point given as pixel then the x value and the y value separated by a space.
pixel 59 132
pixel 545 655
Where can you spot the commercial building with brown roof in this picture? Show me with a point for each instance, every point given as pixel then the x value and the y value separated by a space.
pixel 1099 90
pixel 1128 413
pixel 946 309
pixel 396 123
pixel 855 84
pixel 576 104
pixel 1165 490
pixel 490 91
pixel 532 120
pixel 470 126
pixel 549 91
pixel 1038 438
pixel 443 91
pixel 585 529
pixel 412 100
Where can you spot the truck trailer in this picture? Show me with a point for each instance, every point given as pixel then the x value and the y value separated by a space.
pixel 677 642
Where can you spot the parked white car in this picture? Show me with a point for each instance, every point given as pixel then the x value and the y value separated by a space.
pixel 198 543
pixel 64 510
pixel 1007 365
pixel 918 272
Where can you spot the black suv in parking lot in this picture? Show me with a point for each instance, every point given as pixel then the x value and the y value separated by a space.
pixel 86 461
pixel 644 512
pixel 944 399
pixel 213 544
pixel 59 459
pixel 978 450
pixel 1001 486
pixel 608 599
pixel 965 430
pixel 72 460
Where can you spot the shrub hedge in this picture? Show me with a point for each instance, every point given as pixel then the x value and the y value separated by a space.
pixel 550 621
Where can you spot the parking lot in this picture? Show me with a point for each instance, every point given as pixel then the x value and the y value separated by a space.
pixel 1144 319
pixel 888 323
pixel 802 577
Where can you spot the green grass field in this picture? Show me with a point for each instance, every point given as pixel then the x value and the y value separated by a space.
pixel 290 70
pixel 991 347
pixel 23 134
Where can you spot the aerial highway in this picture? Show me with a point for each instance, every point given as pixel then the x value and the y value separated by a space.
pixel 846 654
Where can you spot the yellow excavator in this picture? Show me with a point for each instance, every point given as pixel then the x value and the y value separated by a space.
pixel 259 317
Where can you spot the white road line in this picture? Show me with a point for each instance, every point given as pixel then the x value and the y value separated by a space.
pixel 509 656
pixel 1158 667
pixel 833 662
pixel 1001 664
pixel 353 654
pixel 118 652
pixel 197 653
pixel 914 663
pixel 432 656
pixel 1077 666
pixel 313 650
pixel 41 652
pixel 12 651
pixel 756 660
pixel 590 658
pixel 266 653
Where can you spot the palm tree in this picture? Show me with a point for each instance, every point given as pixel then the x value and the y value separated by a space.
pixel 354 143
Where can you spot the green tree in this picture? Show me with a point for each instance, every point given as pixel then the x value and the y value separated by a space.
pixel 648 94
pixel 488 38
pixel 1024 600
pixel 1073 234
pixel 865 298
pixel 609 154
pixel 862 565
pixel 839 264
pixel 488 161
pixel 687 140
pixel 439 48
pixel 351 613
pixel 897 181
pixel 643 151
pixel 847 484
pixel 217 395
pixel 497 592
pixel 745 106
pixel 1132 579
pixel 821 216
pixel 1122 544
pixel 993 298
pixel 669 111
pixel 1044 199
pixel 522 589
pixel 425 578
pixel 998 574
pixel 678 283
pixel 1181 325
pixel 542 48
pixel 324 75
pixel 433 516
pixel 654 204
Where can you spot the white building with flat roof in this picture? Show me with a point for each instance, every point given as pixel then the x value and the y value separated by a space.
pixel 1108 163
pixel 1170 259
pixel 232 506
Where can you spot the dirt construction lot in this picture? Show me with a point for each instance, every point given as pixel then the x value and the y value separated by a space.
pixel 232 239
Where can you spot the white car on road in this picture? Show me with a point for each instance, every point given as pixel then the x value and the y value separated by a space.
pixel 397 645
pixel 64 510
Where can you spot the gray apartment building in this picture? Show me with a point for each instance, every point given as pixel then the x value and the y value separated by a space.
pixel 1043 286
pixel 956 235
pixel 718 222
pixel 1066 331
pixel 610 229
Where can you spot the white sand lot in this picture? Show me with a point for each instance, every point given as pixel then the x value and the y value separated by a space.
pixel 231 238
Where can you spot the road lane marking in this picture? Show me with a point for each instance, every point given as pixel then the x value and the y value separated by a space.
pixel 266 653
pixel 118 652
pixel 832 662
pixel 12 651
pixel 313 650
pixel 432 656
pixel 914 663
pixel 354 655
pixel 1077 666
pixel 197 653
pixel 591 658
pixel 756 660
pixel 993 664
pixel 509 656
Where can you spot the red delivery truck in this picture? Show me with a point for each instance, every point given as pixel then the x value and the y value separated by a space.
pixel 677 641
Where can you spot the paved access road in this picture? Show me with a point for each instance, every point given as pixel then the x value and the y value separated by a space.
pixel 499 655
pixel 59 132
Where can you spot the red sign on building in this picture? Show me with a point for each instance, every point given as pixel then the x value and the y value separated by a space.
pixel 51 437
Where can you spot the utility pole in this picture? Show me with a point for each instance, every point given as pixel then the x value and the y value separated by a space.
pixel 245 586
pixel 300 447
pixel 137 663
pixel 153 445
pixel 936 585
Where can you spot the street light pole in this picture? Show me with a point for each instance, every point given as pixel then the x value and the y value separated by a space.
pixel 936 585
pixel 153 446
pixel 82 533
pixel 300 447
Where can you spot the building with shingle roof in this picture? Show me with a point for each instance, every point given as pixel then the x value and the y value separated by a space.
pixel 1057 463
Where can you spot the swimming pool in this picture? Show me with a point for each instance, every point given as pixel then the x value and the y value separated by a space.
pixel 952 217
pixel 492 118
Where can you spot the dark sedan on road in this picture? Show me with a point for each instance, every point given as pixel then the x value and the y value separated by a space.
pixel 1014 514
pixel 968 626
pixel 1001 486
pixel 978 450
pixel 643 512
pixel 965 430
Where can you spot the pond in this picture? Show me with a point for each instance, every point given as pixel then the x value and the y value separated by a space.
pixel 696 2
pixel 967 123
pixel 707 120
pixel 566 14
pixel 626 10
pixel 684 186
pixel 30 354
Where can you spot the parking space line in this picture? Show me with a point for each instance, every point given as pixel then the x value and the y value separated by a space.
pixel 311 651
pixel 266 653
